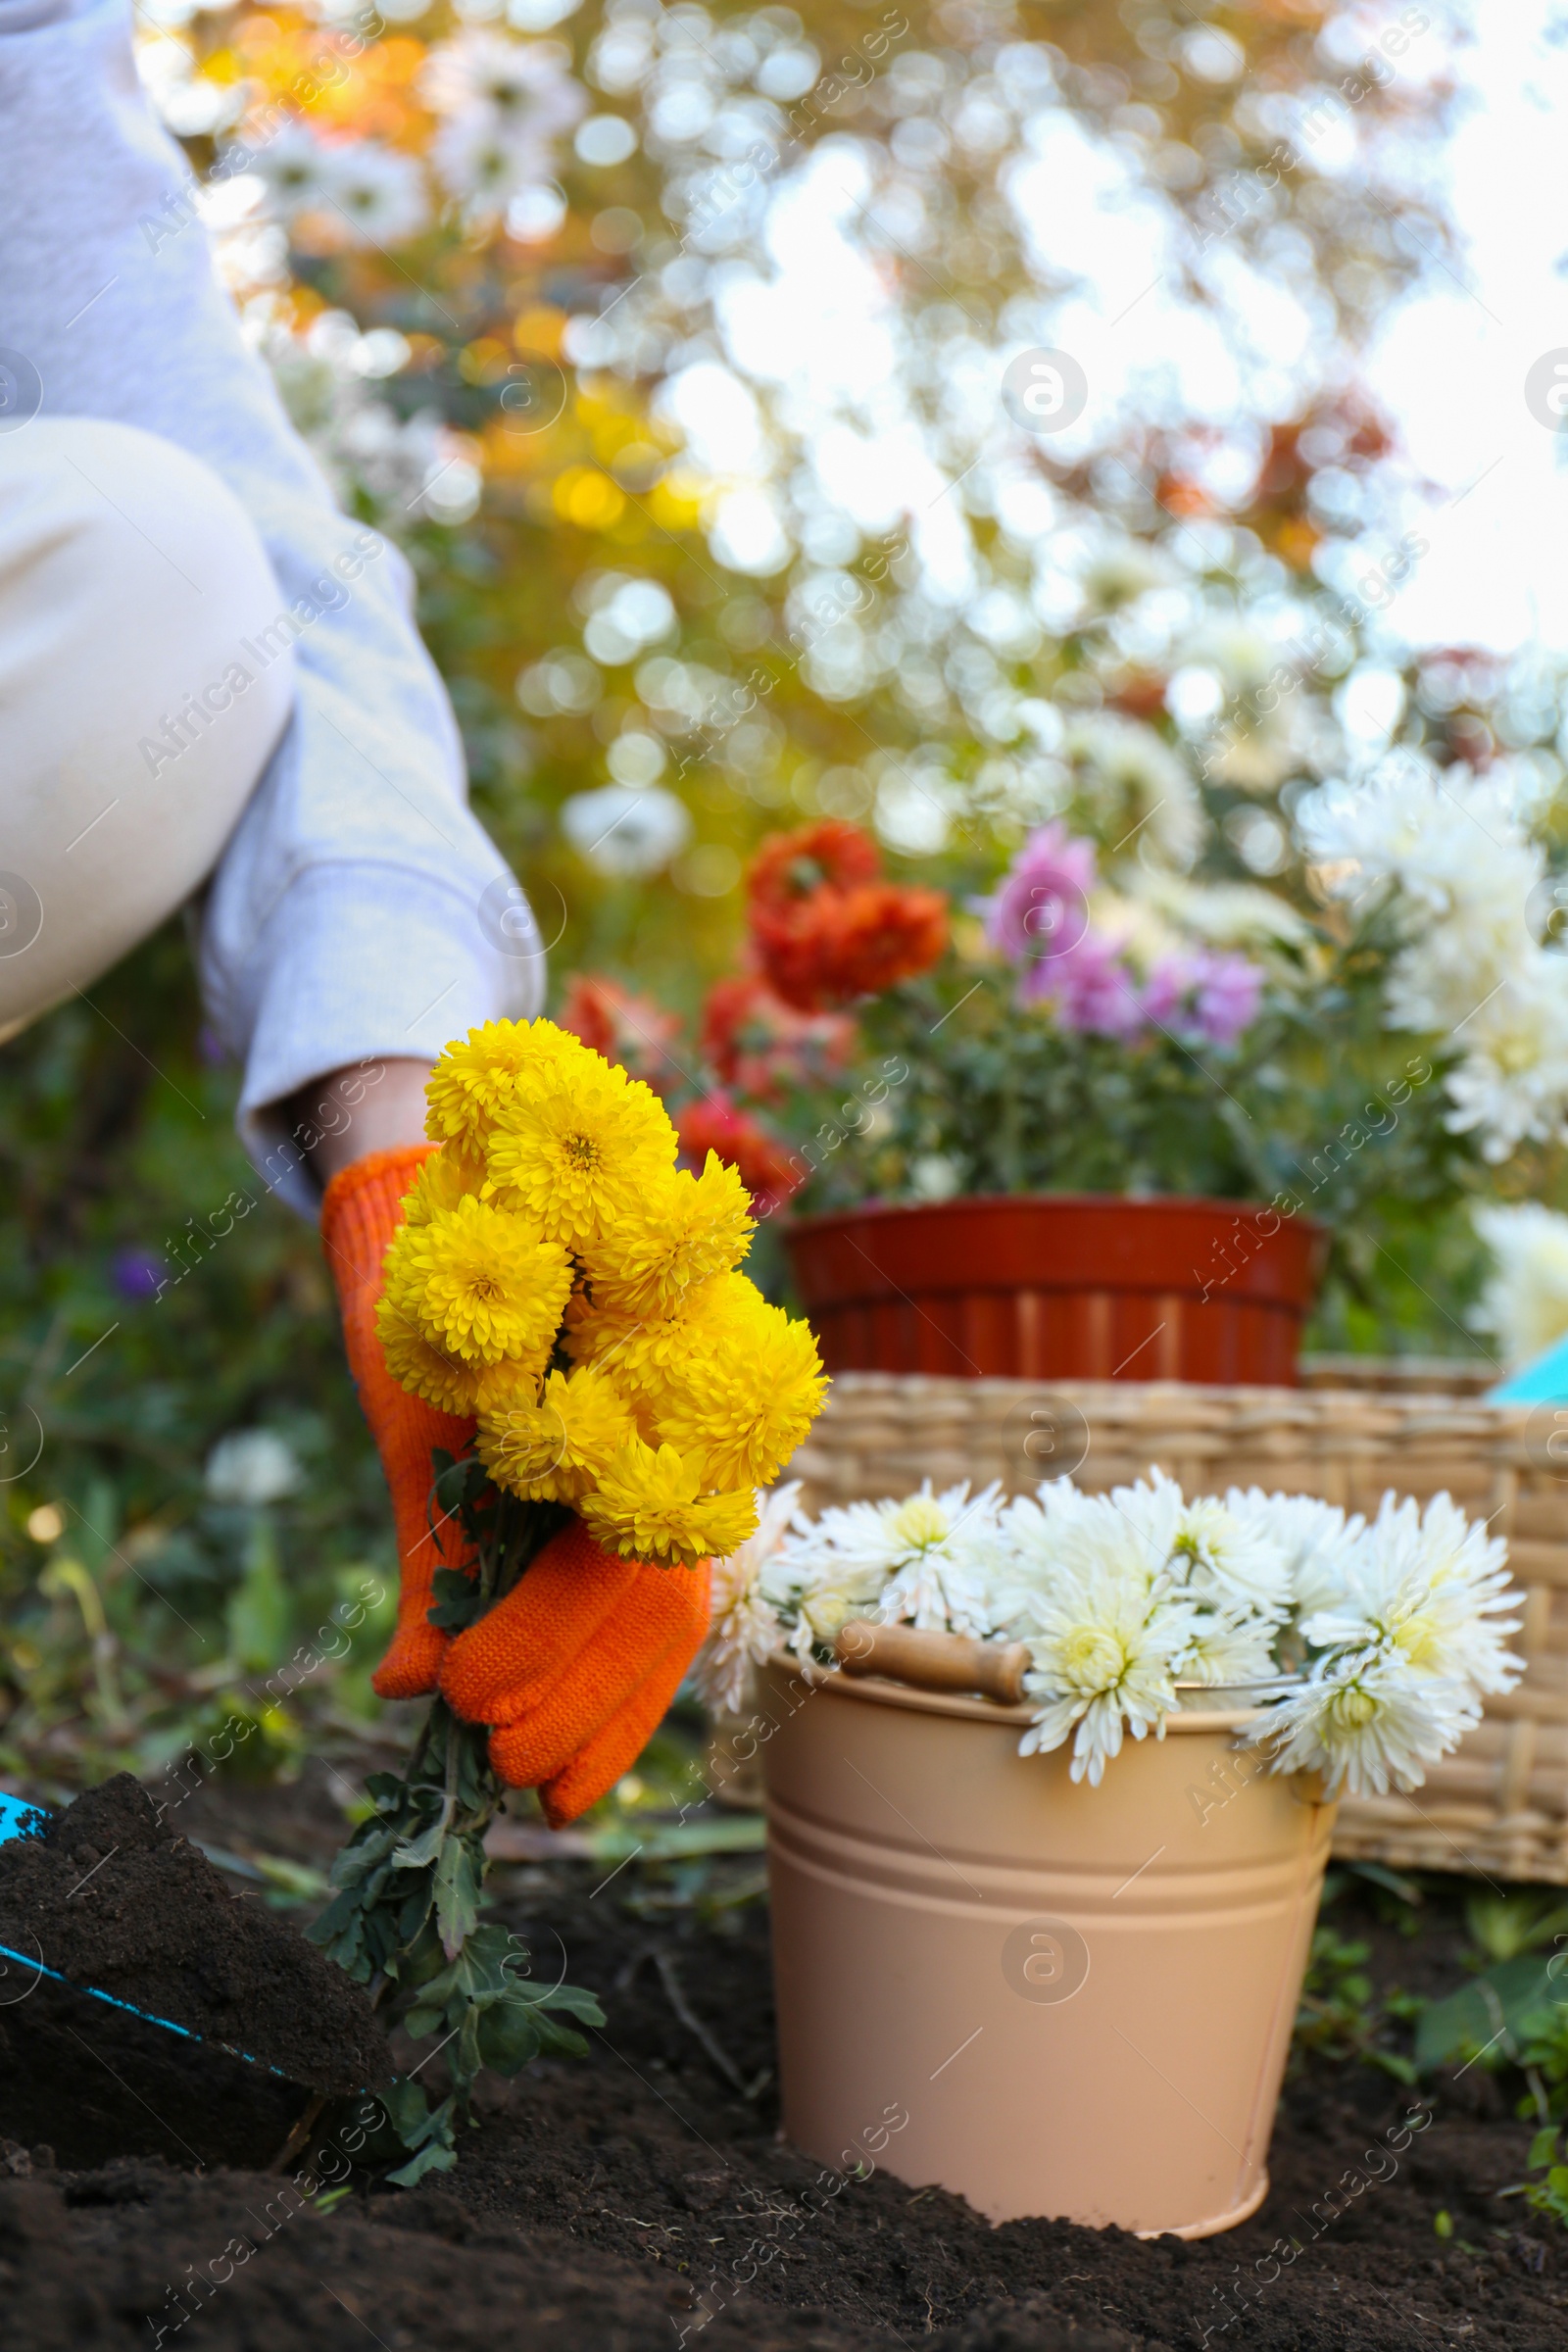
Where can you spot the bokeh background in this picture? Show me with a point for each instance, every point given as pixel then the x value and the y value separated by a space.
pixel 700 360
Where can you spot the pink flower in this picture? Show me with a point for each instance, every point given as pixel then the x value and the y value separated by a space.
pixel 1041 911
pixel 1092 987
pixel 1229 991
pixel 1205 994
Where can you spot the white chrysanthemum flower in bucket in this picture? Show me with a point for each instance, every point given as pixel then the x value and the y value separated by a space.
pixel 1104 1659
pixel 1427 1588
pixel 1369 1723
pixel 816 1583
pixel 1314 1539
pixel 1131 1530
pixel 1026 1540
pixel 744 1627
pixel 1227 1651
pixel 919 1561
pixel 940 1583
pixel 1229 1561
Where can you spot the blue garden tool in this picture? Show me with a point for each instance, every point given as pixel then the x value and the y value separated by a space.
pixel 1543 1380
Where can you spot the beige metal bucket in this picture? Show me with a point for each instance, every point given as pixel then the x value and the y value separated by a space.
pixel 1052 1999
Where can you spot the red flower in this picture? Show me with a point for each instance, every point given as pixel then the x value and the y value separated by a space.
pixel 827 928
pixel 790 866
pixel 761 1045
pixel 631 1030
pixel 768 1167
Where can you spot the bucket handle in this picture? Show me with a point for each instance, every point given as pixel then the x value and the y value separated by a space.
pixel 933 1661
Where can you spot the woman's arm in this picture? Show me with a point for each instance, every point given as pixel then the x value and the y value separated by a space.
pixel 342 926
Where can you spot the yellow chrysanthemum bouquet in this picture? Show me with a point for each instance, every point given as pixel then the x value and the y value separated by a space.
pixel 560 1279
pixel 558 1284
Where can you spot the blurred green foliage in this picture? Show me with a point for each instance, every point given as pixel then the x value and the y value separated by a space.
pixel 140 1611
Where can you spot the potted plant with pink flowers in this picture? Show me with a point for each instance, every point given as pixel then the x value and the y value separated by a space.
pixel 1061 1160
pixel 1110 1109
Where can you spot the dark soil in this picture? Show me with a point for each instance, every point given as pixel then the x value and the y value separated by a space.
pixel 637 2199
pixel 111 1897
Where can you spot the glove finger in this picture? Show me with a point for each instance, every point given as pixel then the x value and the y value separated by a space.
pixel 666 1606
pixel 514 1751
pixel 598 1766
pixel 411 1665
pixel 496 1670
pixel 362 1208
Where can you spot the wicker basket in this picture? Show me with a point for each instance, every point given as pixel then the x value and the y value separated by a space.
pixel 1497 1809
pixel 1409 1375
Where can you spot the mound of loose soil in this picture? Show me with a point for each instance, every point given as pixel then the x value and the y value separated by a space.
pixel 126 2257
pixel 110 1898
pixel 637 2201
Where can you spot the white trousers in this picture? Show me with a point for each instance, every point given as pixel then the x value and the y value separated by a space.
pixel 131 585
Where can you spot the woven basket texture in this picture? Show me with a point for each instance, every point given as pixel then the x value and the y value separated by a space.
pixel 1496 1809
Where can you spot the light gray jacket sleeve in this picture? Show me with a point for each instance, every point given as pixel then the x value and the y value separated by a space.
pixel 347 917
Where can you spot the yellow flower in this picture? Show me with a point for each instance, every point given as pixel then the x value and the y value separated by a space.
pixel 447 1177
pixel 479 1285
pixel 477 1074
pixel 740 1405
pixel 647 1507
pixel 441 1379
pixel 577 1151
pixel 684 1230
pixel 550 1448
pixel 643 1352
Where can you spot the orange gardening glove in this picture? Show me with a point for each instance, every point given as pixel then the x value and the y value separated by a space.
pixel 577 1667
pixel 361 1210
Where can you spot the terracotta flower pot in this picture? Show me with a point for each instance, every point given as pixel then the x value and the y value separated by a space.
pixel 1061 1287
pixel 1052 1999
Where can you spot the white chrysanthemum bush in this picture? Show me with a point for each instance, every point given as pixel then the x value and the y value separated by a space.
pixel 1371 1645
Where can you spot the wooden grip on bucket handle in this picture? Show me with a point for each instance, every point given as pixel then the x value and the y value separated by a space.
pixel 933 1661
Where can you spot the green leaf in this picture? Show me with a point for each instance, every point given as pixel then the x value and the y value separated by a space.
pixel 473 1769
pixel 1390 2062
pixel 457 1894
pixel 680 1841
pixel 575 2000
pixel 432 2159
pixel 1378 1875
pixel 341 1914
pixel 1543 2148
pixel 420 1852
pixel 423 1958
pixel 466 2060
pixel 508 2035
pixel 1485 2014
pixel 458 1602
pixel 369 1845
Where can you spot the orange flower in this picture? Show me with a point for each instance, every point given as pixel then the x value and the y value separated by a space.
pixel 791 867
pixel 761 1045
pixel 630 1030
pixel 761 1159
pixel 827 929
